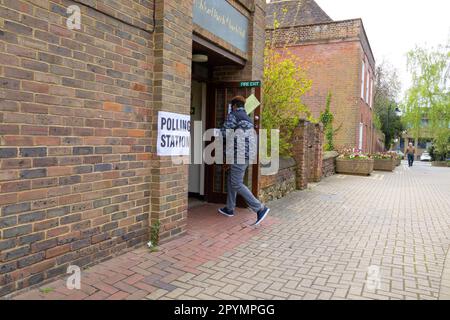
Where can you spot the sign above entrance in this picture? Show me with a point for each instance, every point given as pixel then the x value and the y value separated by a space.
pixel 173 134
pixel 250 84
pixel 222 19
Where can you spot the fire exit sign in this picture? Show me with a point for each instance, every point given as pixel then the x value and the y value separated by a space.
pixel 250 84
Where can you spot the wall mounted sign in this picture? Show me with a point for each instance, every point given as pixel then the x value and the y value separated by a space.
pixel 222 19
pixel 250 84
pixel 173 134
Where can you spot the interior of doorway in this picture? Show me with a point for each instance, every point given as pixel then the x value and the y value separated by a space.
pixel 197 171
pixel 204 106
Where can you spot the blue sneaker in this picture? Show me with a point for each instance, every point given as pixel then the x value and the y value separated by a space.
pixel 226 212
pixel 261 215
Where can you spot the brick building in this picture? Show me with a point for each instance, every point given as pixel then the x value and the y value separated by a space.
pixel 80 176
pixel 338 59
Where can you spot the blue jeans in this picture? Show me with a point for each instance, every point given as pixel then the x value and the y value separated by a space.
pixel 236 186
pixel 410 159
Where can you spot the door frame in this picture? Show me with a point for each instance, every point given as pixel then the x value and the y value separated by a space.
pixel 216 197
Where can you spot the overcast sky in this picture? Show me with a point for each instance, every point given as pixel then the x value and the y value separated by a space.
pixel 396 26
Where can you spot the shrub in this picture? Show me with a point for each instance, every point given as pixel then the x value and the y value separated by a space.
pixel 284 83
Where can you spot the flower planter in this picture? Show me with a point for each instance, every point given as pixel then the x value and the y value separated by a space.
pixel 384 164
pixel 398 162
pixel 352 166
pixel 440 163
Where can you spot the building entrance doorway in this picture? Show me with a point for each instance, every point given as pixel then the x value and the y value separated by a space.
pixel 196 173
pixel 220 95
pixel 211 94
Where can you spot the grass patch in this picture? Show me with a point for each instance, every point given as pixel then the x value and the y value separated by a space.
pixel 46 290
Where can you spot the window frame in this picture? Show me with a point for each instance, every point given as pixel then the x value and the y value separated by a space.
pixel 363 76
pixel 367 86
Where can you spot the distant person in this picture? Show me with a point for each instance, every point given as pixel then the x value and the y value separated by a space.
pixel 238 119
pixel 410 152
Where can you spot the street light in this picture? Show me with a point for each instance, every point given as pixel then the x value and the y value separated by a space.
pixel 397 111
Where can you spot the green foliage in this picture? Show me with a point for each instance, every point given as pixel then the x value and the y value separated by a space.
pixel 327 117
pixel 154 233
pixel 391 123
pixel 387 88
pixel 377 121
pixel 429 95
pixel 46 290
pixel 284 83
pixel 440 152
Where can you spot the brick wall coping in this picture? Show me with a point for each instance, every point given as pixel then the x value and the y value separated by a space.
pixel 351 35
pixel 285 163
pixel 330 154
pixel 316 24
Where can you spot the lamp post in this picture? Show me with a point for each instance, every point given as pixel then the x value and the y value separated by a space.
pixel 398 113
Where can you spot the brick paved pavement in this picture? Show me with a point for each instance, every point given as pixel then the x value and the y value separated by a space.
pixel 317 244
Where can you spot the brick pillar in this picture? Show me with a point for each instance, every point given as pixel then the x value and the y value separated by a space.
pixel 318 152
pixel 300 146
pixel 257 33
pixel 172 91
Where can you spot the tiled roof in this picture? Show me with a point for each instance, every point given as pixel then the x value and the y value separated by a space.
pixel 295 13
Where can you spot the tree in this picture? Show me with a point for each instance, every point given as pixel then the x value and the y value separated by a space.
pixel 429 95
pixel 284 84
pixel 386 91
pixel 391 123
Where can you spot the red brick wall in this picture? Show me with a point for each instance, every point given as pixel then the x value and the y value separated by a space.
pixel 80 180
pixel 75 135
pixel 306 164
pixel 333 67
pixel 172 91
pixel 307 150
pixel 278 185
pixel 332 55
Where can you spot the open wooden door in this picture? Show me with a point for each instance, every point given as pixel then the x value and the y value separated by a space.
pixel 219 96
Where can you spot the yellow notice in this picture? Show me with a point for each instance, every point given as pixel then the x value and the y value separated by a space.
pixel 251 104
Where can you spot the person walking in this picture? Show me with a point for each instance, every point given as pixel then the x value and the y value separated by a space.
pixel 239 127
pixel 410 152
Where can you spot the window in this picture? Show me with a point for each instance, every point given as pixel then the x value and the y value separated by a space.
pixel 363 74
pixel 423 143
pixel 361 132
pixel 367 137
pixel 367 86
pixel 371 94
pixel 425 122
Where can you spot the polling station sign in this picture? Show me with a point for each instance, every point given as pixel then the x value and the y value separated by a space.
pixel 173 134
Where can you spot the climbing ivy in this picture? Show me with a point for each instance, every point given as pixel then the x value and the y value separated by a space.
pixel 327 117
